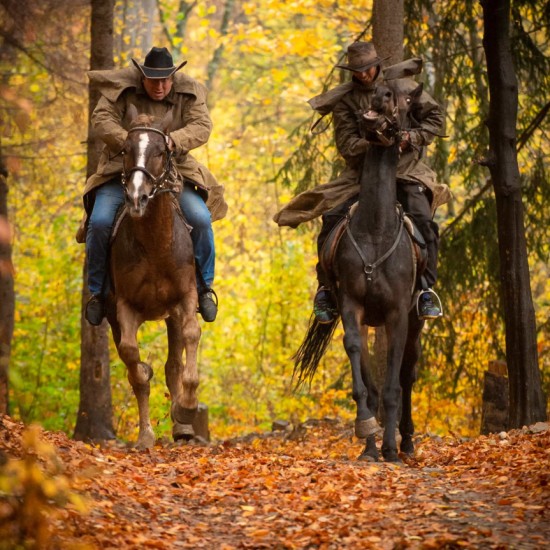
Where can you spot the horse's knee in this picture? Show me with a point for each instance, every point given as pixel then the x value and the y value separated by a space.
pixel 139 374
pixel 352 345
pixel 129 353
pixel 391 398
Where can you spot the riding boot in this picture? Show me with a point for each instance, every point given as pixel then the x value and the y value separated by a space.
pixel 325 307
pixel 208 305
pixel 427 308
pixel 95 310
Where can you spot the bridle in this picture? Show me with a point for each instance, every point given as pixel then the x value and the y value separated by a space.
pixel 159 182
pixel 382 129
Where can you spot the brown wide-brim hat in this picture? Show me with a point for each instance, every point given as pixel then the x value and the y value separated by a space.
pixel 361 56
pixel 158 64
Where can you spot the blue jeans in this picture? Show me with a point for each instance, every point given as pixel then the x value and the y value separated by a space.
pixel 109 197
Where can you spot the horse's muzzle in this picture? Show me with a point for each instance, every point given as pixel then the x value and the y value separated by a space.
pixel 136 204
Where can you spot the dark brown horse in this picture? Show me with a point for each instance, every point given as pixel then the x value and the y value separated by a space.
pixel 152 271
pixel 375 277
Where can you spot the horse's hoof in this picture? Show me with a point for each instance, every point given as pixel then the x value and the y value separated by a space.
pixel 365 428
pixel 182 415
pixel 368 457
pixel 407 447
pixel 392 457
pixel 183 432
pixel 145 441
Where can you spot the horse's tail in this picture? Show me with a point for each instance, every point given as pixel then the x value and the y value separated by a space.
pixel 312 349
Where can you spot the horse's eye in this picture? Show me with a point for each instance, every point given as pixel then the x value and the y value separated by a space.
pixel 408 100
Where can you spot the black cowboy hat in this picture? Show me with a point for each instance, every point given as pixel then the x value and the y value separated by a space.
pixel 158 64
pixel 361 56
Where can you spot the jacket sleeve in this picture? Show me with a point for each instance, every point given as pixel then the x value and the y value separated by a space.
pixel 427 120
pixel 196 123
pixel 107 123
pixel 348 138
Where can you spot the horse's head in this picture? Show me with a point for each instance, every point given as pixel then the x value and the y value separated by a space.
pixel 146 159
pixel 387 113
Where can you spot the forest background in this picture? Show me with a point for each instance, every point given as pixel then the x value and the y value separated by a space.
pixel 262 61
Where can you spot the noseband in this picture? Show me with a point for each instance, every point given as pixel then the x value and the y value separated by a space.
pixel 157 181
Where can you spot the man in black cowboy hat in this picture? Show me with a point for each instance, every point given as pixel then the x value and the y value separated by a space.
pixel 417 189
pixel 153 88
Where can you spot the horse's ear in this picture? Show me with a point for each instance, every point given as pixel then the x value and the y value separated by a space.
pixel 131 113
pixel 165 123
pixel 417 92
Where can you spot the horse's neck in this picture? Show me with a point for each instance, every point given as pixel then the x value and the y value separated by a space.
pixel 375 216
pixel 156 225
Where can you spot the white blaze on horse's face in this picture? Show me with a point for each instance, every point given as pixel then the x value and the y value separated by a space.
pixel 137 186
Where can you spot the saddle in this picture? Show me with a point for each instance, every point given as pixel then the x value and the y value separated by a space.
pixel 328 250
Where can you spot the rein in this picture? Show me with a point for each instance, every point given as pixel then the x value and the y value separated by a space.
pixel 158 181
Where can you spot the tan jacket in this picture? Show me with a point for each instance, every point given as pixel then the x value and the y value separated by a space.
pixel 345 102
pixel 191 127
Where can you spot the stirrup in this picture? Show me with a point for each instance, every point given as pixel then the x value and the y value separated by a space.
pixel 430 291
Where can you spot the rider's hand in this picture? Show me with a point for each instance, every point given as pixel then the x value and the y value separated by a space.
pixel 405 141
pixel 170 143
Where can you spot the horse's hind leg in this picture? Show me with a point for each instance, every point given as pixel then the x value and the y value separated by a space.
pixel 182 378
pixel 407 379
pixel 139 374
pixel 396 332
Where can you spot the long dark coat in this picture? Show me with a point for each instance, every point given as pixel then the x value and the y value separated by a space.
pixel 345 102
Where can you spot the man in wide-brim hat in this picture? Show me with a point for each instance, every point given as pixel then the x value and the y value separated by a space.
pixel 417 188
pixel 154 88
pixel 361 57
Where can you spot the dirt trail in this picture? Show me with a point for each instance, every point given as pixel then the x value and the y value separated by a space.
pixel 306 489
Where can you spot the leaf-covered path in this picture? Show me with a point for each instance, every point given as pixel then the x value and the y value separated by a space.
pixel 305 489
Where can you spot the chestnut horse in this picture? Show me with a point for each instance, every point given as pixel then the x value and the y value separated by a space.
pixel 375 275
pixel 152 275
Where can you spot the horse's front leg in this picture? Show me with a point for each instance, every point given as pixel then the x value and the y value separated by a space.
pixel 182 378
pixel 139 374
pixel 370 452
pixel 396 333
pixel 365 422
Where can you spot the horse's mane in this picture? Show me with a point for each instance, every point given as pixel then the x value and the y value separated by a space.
pixel 143 120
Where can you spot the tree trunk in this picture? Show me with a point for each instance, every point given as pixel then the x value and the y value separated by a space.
pixel 94 421
pixel 7 296
pixel 387 29
pixel 527 403
pixel 387 36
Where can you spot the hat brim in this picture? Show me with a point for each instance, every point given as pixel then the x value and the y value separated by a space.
pixel 150 72
pixel 363 68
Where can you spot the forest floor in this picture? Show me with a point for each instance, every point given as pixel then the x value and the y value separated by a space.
pixel 303 488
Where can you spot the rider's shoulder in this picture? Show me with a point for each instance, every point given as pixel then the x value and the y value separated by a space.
pixel 324 103
pixel 112 82
pixel 185 84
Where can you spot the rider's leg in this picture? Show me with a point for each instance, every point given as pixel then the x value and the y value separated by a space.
pixel 198 216
pixel 325 307
pixel 108 199
pixel 415 199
